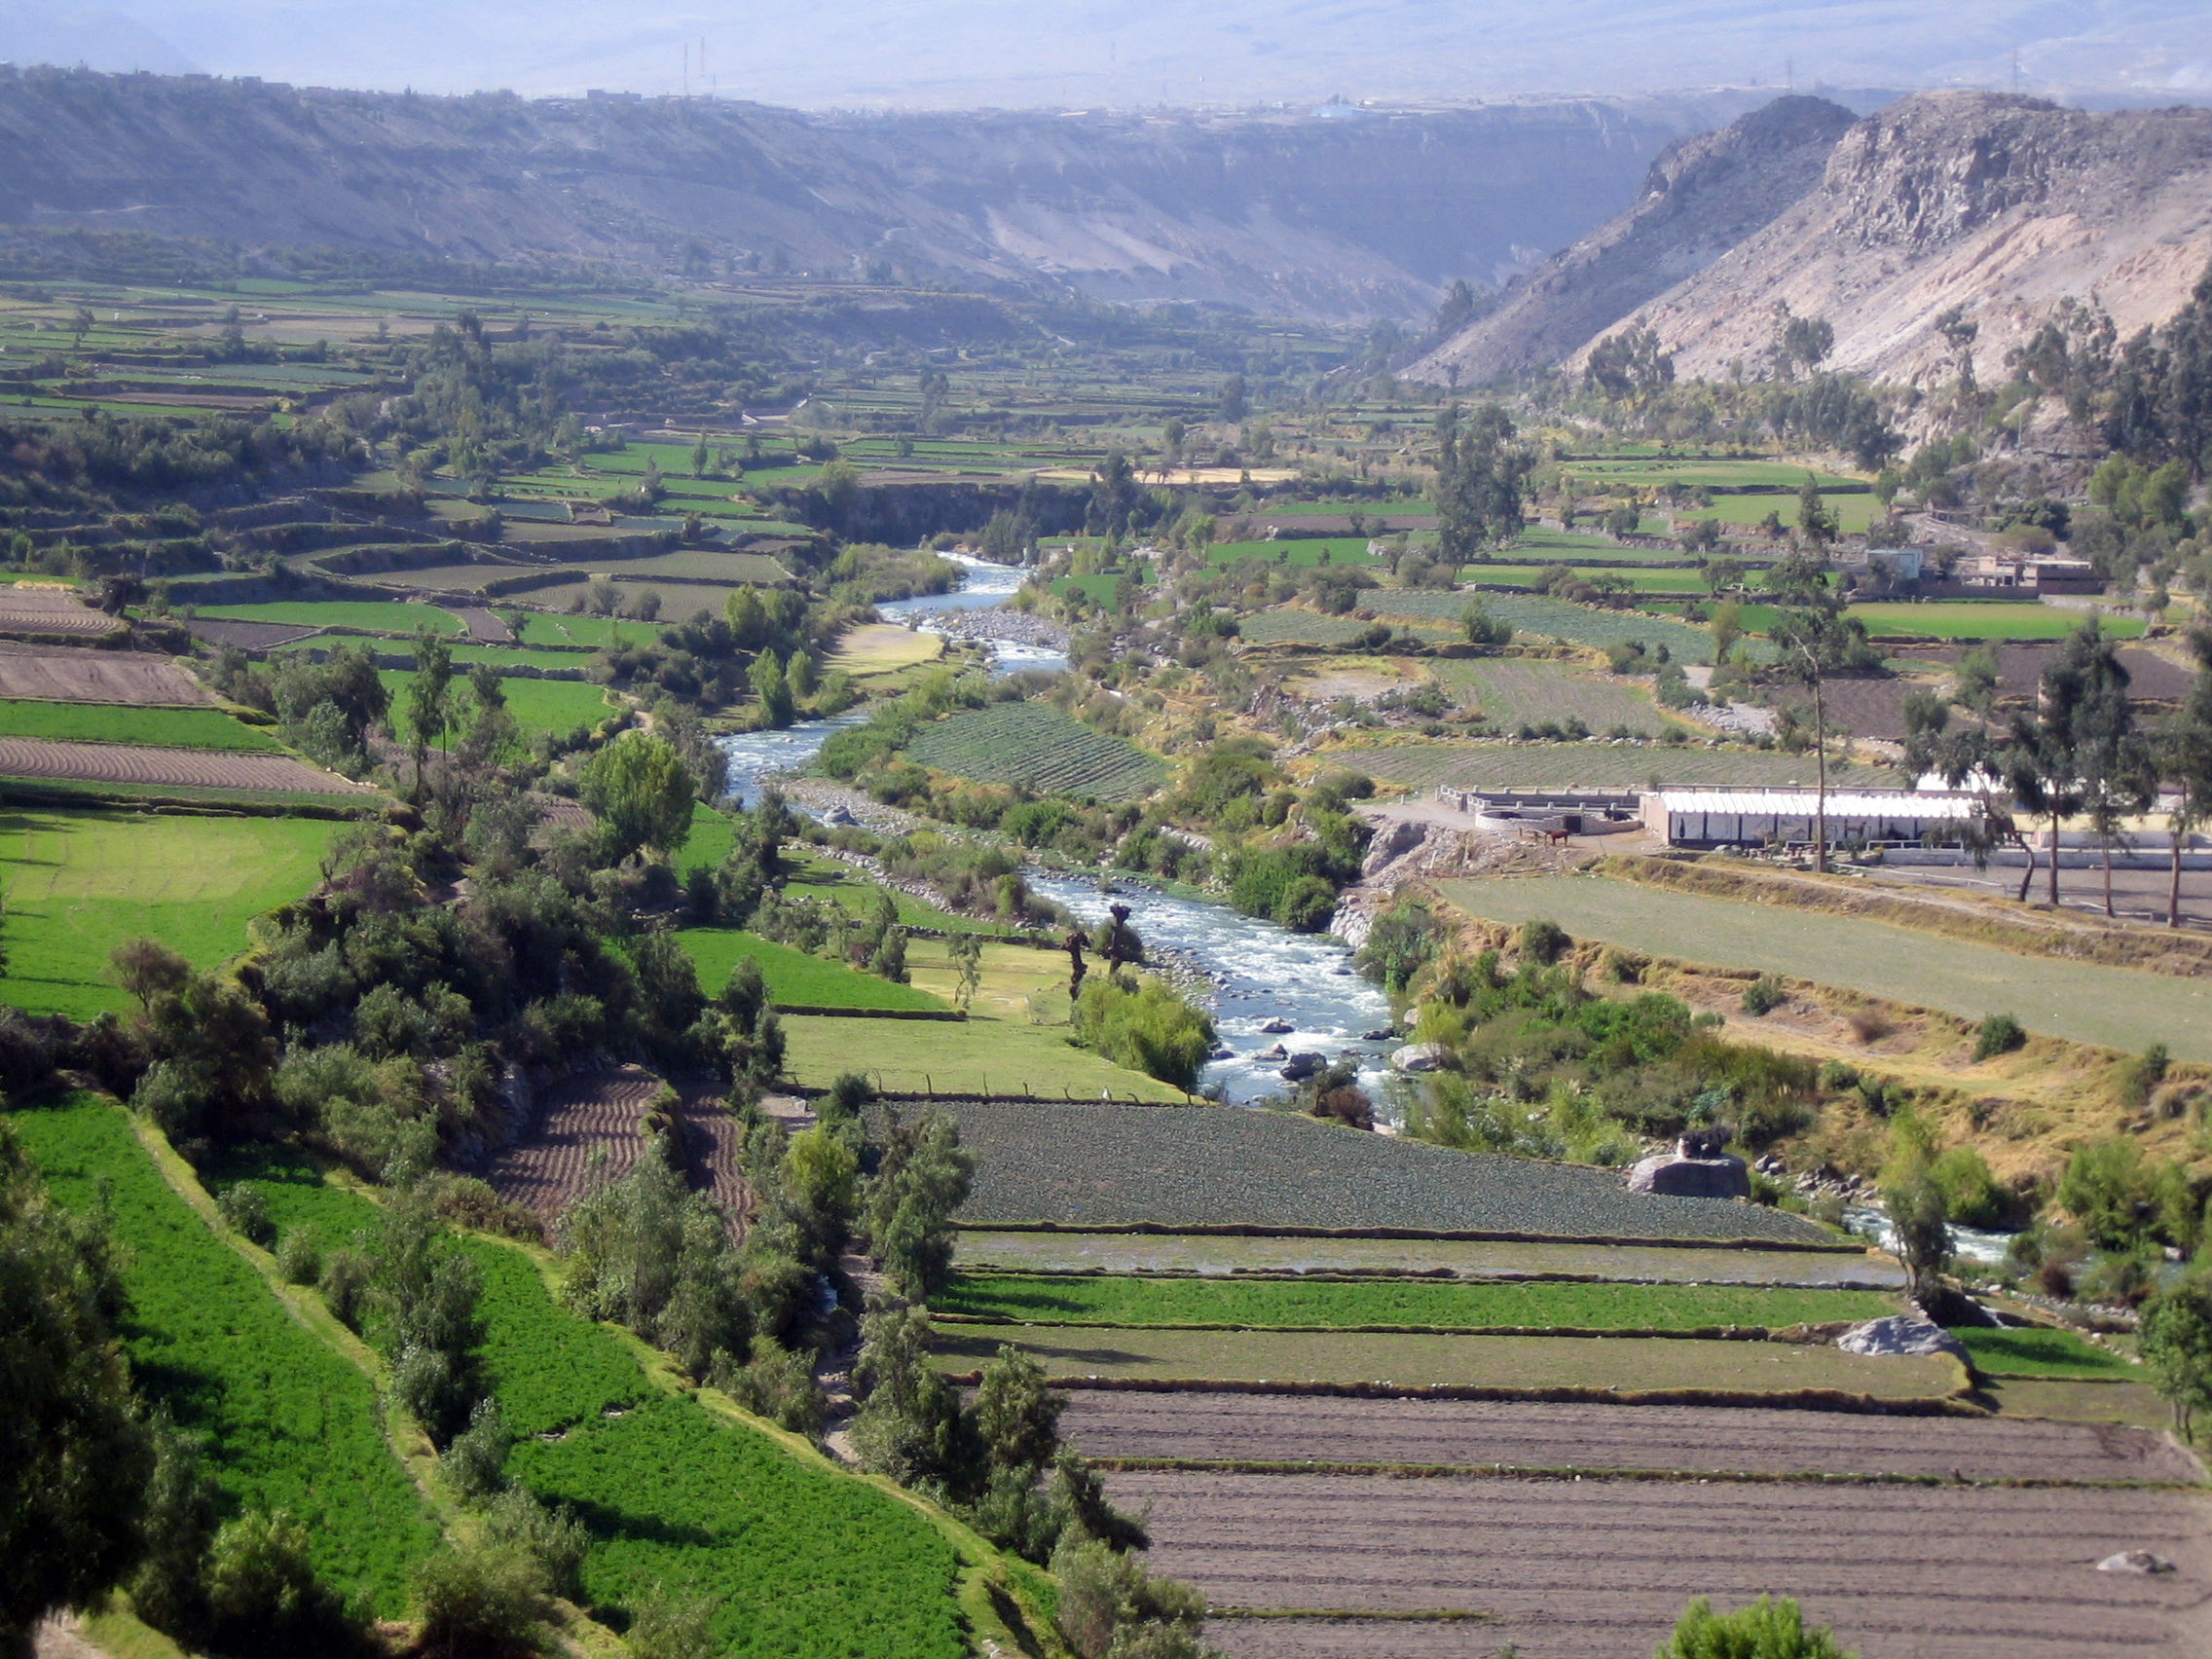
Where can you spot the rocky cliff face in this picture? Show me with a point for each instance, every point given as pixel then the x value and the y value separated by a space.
pixel 1703 197
pixel 1997 204
pixel 1336 216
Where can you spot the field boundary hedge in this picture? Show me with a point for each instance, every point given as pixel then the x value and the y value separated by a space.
pixel 1255 1230
pixel 822 1012
pixel 1954 1404
pixel 1797 1336
pixel 1582 1472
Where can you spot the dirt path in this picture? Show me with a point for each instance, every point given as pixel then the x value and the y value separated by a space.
pixel 62 1637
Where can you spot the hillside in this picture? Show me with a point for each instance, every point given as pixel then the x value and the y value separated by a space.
pixel 2002 205
pixel 1289 212
pixel 1703 197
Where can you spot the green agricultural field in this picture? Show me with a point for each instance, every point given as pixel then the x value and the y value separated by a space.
pixel 112 722
pixel 2117 1008
pixel 677 1494
pixel 1286 625
pixel 372 615
pixel 1541 616
pixel 1099 590
pixel 1984 619
pixel 1394 1304
pixel 678 601
pixel 81 882
pixel 1628 1364
pixel 1854 513
pixel 883 647
pixel 976 1056
pixel 2066 1400
pixel 1590 765
pixel 1512 693
pixel 2042 1350
pixel 1207 1166
pixel 1701 471
pixel 537 705
pixel 538 629
pixel 814 876
pixel 1219 1254
pixel 289 1421
pixel 794 977
pixel 1301 553
pixel 1641 580
pixel 1037 746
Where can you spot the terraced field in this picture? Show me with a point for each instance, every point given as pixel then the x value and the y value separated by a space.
pixel 77 722
pixel 1037 746
pixel 794 977
pixel 69 675
pixel 1512 693
pixel 1596 1570
pixel 1216 1254
pixel 1589 765
pixel 369 615
pixel 1286 625
pixel 594 1121
pixel 171 768
pixel 26 610
pixel 1187 1167
pixel 1675 1367
pixel 1542 618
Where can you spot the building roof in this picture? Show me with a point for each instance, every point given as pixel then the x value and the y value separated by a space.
pixel 1842 804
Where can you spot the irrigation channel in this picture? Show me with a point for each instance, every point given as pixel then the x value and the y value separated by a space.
pixel 985 588
pixel 1261 973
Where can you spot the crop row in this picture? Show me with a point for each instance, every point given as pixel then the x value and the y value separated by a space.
pixel 1199 1167
pixel 1037 746
pixel 1553 618
pixel 1402 1304
pixel 288 1422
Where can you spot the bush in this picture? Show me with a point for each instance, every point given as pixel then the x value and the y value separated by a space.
pixel 264 1600
pixel 1543 943
pixel 477 1462
pixel 346 1276
pixel 299 1257
pixel 1763 995
pixel 666 1628
pixel 1767 1629
pixel 1971 1193
pixel 247 1213
pixel 2000 1034
pixel 554 1538
pixel 1142 1024
pixel 488 1602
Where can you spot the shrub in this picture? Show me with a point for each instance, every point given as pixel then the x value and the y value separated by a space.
pixel 1868 1026
pixel 1969 1190
pixel 346 1276
pixel 477 1462
pixel 488 1602
pixel 1767 1629
pixel 264 1600
pixel 1763 995
pixel 299 1257
pixel 2000 1034
pixel 1142 1024
pixel 1543 943
pixel 247 1213
pixel 669 1627
pixel 2123 1200
pixel 2144 1075
pixel 554 1538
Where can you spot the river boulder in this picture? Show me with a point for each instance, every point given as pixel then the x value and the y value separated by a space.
pixel 1419 1056
pixel 1298 1067
pixel 1673 1175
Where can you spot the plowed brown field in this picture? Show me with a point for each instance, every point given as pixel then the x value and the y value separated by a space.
pixel 1600 1570
pixel 98 677
pixel 601 1113
pixel 50 611
pixel 174 768
pixel 248 636
pixel 1272 1428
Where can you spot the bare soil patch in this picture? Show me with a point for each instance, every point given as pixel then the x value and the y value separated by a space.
pixel 1540 1434
pixel 174 768
pixel 98 677
pixel 248 636
pixel 1597 1569
pixel 602 1115
pixel 481 625
pixel 50 611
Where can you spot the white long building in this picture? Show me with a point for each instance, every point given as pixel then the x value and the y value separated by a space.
pixel 1780 817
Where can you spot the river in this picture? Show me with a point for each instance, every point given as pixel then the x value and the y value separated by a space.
pixel 984 586
pixel 1260 971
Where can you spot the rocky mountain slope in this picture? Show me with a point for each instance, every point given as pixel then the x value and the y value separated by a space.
pixel 2000 204
pixel 1703 197
pixel 1334 217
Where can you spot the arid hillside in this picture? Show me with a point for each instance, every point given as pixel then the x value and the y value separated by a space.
pixel 2000 204
pixel 1335 213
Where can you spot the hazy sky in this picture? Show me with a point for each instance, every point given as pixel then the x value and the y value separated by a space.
pixel 1077 53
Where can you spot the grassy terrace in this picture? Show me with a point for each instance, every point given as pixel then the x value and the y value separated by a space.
pixel 1512 693
pixel 371 615
pixel 111 722
pixel 81 882
pixel 1590 765
pixel 1381 1303
pixel 2117 1008
pixel 289 1421
pixel 537 705
pixel 794 977
pixel 2039 1350
pixel 1036 745
pixel 1626 1364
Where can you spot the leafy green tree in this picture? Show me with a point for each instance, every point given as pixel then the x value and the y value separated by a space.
pixel 1142 1024
pixel 482 1601
pixel 430 700
pixel 641 793
pixel 1816 641
pixel 75 1460
pixel 1767 1629
pixel 2175 1342
pixel 772 689
pixel 922 1176
pixel 967 953
pixel 1017 1414
pixel 1816 523
pixel 910 1424
pixel 1481 473
pixel 2184 752
pixel 264 1599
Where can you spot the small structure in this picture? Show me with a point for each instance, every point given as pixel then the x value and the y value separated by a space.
pixel 1552 814
pixel 1780 817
